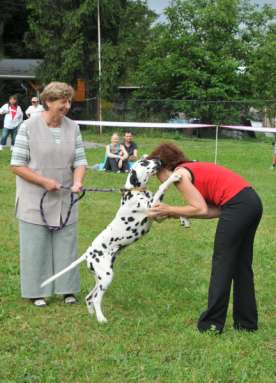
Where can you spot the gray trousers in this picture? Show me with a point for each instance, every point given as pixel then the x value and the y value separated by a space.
pixel 44 253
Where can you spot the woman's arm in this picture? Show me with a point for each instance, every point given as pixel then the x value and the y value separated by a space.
pixel 124 153
pixel 213 211
pixel 109 154
pixel 79 174
pixel 29 175
pixel 19 114
pixel 4 109
pixel 196 206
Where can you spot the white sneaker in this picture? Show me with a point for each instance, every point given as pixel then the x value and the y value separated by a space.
pixel 69 299
pixel 1 147
pixel 39 302
pixel 11 148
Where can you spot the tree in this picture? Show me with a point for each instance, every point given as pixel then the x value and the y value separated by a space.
pixel 120 60
pixel 65 34
pixel 197 54
pixel 12 24
pixel 262 71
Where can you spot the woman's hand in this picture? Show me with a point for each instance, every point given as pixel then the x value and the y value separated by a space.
pixel 77 187
pixel 51 185
pixel 159 210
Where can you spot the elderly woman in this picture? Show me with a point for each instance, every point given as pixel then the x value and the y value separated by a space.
pixel 48 154
pixel 116 155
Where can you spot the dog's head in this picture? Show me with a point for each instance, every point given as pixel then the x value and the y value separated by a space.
pixel 140 173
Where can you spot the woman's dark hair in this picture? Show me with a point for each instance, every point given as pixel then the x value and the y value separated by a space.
pixel 14 96
pixel 169 154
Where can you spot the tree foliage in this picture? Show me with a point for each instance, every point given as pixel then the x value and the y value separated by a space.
pixel 13 24
pixel 65 34
pixel 198 55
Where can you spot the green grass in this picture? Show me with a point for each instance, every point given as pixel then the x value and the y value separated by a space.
pixel 159 290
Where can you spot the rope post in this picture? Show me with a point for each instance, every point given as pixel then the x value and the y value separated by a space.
pixel 99 66
pixel 216 148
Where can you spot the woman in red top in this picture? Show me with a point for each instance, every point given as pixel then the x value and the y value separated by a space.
pixel 212 191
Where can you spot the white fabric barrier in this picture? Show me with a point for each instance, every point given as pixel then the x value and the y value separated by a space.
pixel 249 128
pixel 121 124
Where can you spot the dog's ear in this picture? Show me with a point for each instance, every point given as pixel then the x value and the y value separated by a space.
pixel 133 179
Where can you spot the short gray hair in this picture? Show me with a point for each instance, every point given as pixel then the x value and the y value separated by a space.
pixel 56 91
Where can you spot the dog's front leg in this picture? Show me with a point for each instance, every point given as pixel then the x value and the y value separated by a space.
pixel 174 177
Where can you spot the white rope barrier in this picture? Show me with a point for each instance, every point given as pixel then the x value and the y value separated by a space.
pixel 122 124
pixel 249 128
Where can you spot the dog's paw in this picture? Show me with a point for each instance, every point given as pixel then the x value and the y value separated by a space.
pixel 176 177
pixel 184 222
pixel 101 319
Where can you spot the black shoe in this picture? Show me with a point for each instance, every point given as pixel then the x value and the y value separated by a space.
pixel 239 327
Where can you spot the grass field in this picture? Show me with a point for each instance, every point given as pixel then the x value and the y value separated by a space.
pixel 159 290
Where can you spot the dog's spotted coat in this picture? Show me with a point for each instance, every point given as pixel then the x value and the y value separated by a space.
pixel 130 223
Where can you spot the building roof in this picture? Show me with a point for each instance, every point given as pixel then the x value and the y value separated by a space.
pixel 19 68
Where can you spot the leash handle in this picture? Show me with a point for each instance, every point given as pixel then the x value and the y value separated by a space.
pixel 72 203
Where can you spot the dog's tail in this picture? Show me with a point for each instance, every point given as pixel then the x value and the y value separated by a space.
pixel 73 264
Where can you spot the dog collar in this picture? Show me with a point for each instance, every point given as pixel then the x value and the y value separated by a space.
pixel 135 189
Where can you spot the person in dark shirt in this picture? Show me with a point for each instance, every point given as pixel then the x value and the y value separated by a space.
pixel 131 148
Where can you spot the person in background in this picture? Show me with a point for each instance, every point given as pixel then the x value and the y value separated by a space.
pixel 36 107
pixel 273 166
pixel 212 191
pixel 116 155
pixel 131 148
pixel 47 155
pixel 13 118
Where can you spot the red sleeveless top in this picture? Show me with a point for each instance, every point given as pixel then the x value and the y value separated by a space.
pixel 216 184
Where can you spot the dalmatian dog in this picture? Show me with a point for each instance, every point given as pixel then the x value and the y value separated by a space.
pixel 130 223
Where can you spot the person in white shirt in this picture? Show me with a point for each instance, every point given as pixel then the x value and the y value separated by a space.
pixel 36 107
pixel 13 118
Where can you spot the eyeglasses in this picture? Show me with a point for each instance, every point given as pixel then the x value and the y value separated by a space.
pixel 34 102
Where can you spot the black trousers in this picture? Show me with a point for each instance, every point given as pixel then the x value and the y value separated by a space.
pixel 112 165
pixel 232 262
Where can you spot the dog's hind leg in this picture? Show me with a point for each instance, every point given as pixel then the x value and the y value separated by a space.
pixel 104 281
pixel 94 298
pixel 89 301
